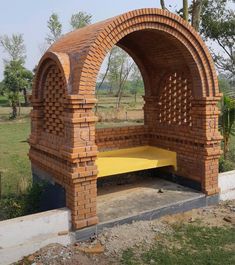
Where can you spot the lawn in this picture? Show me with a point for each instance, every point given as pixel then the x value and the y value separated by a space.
pixel 189 244
pixel 14 162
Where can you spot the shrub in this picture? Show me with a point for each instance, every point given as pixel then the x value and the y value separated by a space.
pixel 226 165
pixel 12 206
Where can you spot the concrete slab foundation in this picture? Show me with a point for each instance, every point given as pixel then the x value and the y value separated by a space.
pixel 146 194
pixel 146 199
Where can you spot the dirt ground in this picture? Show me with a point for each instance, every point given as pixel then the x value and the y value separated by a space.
pixel 108 247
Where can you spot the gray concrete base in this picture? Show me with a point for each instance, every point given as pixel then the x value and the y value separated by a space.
pixel 138 201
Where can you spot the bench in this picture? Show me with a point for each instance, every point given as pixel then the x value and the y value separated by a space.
pixel 133 159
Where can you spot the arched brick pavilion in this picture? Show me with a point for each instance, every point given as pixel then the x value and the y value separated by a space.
pixel 180 109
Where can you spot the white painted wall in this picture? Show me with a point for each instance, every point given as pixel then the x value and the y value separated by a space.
pixel 227 185
pixel 24 235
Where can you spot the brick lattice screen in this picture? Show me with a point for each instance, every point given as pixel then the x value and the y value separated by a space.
pixel 175 100
pixel 180 104
pixel 53 96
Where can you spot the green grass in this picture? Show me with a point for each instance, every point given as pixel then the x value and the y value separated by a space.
pixel 4 101
pixel 14 162
pixel 188 245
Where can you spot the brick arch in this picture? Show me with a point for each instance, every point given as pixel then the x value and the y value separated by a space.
pixel 51 86
pixel 50 59
pixel 180 109
pixel 91 44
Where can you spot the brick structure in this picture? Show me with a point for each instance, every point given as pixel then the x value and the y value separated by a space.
pixel 180 109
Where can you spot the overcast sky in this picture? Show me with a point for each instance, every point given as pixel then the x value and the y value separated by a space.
pixel 29 17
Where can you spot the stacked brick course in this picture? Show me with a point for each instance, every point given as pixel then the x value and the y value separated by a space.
pixel 180 110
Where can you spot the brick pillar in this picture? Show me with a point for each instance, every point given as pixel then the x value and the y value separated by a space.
pixel 205 128
pixel 81 200
pixel 81 151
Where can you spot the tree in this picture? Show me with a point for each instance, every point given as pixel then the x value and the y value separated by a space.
pixel 227 86
pixel 103 77
pixel 120 68
pixel 194 9
pixel 227 121
pixel 196 13
pixel 218 25
pixel 16 79
pixel 2 88
pixel 185 10
pixel 55 28
pixel 80 20
pixel 14 46
pixel 137 81
pixel 216 22
pixel 162 2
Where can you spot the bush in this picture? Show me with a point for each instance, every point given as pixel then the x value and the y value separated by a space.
pixel 12 206
pixel 225 165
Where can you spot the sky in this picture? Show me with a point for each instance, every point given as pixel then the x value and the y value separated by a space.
pixel 30 18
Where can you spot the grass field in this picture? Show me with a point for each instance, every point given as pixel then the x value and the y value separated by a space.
pixel 14 163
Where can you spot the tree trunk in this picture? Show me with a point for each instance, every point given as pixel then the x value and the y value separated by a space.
pixel 111 90
pixel 14 110
pixel 119 97
pixel 225 147
pixel 106 72
pixel 19 107
pixel 122 81
pixel 163 4
pixel 25 97
pixel 102 81
pixel 196 14
pixel 185 10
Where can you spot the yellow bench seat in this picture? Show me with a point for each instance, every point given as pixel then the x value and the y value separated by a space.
pixel 133 159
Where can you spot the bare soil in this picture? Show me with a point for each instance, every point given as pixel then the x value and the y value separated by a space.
pixel 108 247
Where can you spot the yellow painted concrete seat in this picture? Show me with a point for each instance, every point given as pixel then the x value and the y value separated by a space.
pixel 133 159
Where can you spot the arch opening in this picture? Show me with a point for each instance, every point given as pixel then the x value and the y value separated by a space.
pixel 119 91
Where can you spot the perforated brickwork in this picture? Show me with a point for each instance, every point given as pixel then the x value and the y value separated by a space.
pixel 175 100
pixel 53 97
